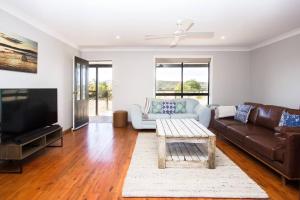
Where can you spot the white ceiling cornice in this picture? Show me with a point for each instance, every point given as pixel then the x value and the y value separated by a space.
pixel 276 39
pixel 37 25
pixel 44 28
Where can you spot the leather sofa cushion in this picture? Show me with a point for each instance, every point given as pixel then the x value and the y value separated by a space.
pixel 267 145
pixel 221 124
pixel 284 129
pixel 240 131
pixel 269 116
pixel 253 114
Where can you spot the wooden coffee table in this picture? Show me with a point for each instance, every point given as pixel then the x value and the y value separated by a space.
pixel 184 143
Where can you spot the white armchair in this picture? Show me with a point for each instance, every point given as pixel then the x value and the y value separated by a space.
pixel 137 120
pixel 147 121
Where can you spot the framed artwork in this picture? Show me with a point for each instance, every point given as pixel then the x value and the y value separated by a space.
pixel 18 53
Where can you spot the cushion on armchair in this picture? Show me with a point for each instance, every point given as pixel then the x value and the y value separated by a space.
pixel 180 107
pixel 156 107
pixel 168 107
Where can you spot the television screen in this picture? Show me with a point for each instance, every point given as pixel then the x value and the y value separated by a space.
pixel 24 110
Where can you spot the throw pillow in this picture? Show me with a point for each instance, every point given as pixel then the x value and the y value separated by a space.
pixel 180 107
pixel 289 120
pixel 156 107
pixel 225 111
pixel 147 106
pixel 168 107
pixel 242 113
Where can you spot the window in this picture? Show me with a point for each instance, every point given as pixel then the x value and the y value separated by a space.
pixel 183 80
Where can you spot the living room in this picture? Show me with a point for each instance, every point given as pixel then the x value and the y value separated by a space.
pixel 237 52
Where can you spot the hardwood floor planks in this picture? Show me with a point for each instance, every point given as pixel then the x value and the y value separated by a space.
pixel 93 164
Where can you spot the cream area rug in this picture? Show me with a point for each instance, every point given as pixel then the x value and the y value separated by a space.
pixel 144 179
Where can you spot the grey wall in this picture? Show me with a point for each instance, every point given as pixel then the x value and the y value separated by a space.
pixel 134 75
pixel 275 73
pixel 55 60
pixel 268 75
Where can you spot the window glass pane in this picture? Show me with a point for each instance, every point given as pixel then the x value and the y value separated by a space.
pixel 83 83
pixel 92 91
pixel 104 90
pixel 195 79
pixel 78 80
pixel 203 100
pixel 168 80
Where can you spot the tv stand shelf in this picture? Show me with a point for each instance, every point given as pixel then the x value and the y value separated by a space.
pixel 28 144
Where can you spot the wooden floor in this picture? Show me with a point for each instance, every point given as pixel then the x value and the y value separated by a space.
pixel 93 164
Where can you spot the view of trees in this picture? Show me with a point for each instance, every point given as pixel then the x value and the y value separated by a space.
pixel 188 86
pixel 104 91
pixel 182 82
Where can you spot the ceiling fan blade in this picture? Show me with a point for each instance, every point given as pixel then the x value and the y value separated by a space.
pixel 204 35
pixel 160 36
pixel 186 24
pixel 175 42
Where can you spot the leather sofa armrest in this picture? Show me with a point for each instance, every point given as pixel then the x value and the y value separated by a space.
pixel 292 159
pixel 212 118
pixel 293 149
pixel 213 113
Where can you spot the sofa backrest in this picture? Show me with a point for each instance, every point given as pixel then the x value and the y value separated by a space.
pixel 269 116
pixel 293 111
pixel 254 111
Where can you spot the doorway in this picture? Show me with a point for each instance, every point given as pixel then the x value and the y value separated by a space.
pixel 100 91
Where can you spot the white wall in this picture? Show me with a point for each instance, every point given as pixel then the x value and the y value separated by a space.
pixel 134 75
pixel 275 73
pixel 55 60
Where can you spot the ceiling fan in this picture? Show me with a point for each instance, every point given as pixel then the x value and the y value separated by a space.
pixel 183 27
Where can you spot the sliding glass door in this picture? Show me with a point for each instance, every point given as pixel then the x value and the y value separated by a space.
pixel 100 90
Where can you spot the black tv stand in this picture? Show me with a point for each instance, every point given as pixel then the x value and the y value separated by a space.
pixel 27 144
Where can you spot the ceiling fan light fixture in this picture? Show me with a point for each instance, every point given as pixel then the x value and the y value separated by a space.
pixel 182 32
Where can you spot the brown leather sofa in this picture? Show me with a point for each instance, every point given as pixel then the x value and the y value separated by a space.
pixel 277 147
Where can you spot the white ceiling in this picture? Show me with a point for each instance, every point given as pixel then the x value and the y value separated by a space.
pixel 96 23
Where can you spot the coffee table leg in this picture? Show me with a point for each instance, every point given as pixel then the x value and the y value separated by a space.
pixel 211 152
pixel 161 152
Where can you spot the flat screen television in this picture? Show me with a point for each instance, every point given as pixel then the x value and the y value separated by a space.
pixel 25 110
